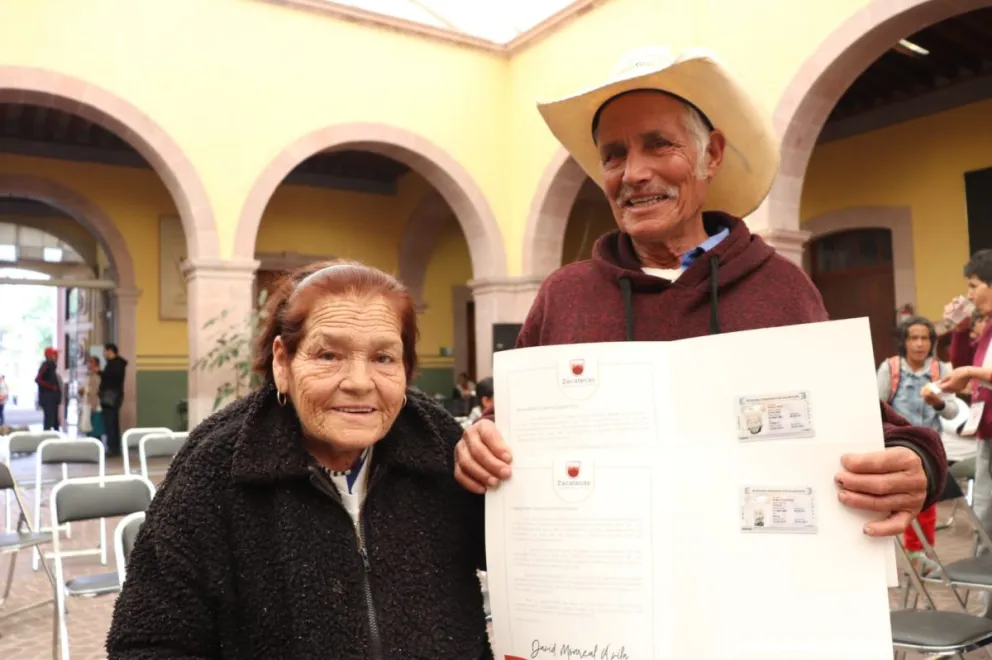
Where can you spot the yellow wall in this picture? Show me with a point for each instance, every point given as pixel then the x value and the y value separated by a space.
pixel 234 82
pixel 133 199
pixel 450 266
pixel 920 164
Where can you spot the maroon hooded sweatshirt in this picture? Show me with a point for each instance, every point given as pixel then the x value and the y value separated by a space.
pixel 741 284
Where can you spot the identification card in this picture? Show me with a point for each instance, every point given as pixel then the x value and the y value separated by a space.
pixel 778 510
pixel 774 417
pixel 974 419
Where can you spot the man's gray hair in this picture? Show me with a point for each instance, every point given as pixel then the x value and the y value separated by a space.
pixel 700 134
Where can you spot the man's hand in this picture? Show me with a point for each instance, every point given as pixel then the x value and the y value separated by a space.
pixel 481 458
pixel 891 481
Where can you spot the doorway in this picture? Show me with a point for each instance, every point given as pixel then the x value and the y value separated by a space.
pixel 853 271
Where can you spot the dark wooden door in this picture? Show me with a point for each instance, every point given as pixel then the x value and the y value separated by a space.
pixel 471 365
pixel 853 271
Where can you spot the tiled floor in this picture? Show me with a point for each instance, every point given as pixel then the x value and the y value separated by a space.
pixel 28 636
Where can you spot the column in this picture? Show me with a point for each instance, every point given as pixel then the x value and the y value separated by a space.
pixel 213 287
pixel 126 316
pixel 788 241
pixel 499 300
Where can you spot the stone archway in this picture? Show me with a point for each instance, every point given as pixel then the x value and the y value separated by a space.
pixel 897 219
pixel 56 90
pixel 822 79
pixel 417 243
pixel 544 235
pixel 98 223
pixel 451 181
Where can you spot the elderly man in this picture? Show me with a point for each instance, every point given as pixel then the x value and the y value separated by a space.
pixel 682 153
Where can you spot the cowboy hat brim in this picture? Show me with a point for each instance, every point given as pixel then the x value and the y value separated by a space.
pixel 751 157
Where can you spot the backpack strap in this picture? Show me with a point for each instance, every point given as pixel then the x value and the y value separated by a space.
pixel 895 375
pixel 934 370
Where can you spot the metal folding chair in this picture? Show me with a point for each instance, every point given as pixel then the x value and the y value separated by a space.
pixel 132 438
pixel 124 536
pixel 159 445
pixel 24 538
pixel 88 451
pixel 83 499
pixel 20 443
pixel 937 634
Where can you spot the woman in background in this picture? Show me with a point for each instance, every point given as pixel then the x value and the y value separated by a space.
pixel 90 417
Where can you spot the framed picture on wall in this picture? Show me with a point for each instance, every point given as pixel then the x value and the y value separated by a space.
pixel 171 259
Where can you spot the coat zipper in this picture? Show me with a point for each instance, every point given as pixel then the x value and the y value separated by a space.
pixel 321 481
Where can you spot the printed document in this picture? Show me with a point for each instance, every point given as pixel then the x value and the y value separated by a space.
pixel 675 500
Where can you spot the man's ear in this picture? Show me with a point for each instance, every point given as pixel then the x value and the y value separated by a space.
pixel 714 153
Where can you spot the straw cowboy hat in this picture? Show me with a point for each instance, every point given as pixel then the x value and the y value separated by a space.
pixel 751 157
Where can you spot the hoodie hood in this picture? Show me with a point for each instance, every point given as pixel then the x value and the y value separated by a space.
pixel 734 258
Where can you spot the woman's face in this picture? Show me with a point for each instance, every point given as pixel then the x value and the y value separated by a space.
pixel 347 380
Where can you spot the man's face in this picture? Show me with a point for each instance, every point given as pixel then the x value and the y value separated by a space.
pixel 918 343
pixel 655 176
pixel 108 354
pixel 981 294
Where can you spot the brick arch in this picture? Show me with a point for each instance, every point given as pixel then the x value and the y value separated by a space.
pixel 544 235
pixel 419 238
pixel 450 180
pixel 59 91
pixel 83 211
pixel 827 73
pixel 897 219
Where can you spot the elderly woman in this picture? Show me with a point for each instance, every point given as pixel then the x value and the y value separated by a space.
pixel 317 517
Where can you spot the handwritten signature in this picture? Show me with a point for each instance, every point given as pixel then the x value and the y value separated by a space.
pixel 560 650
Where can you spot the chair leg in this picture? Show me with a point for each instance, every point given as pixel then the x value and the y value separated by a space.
pixel 103 541
pixel 950 519
pixel 10 579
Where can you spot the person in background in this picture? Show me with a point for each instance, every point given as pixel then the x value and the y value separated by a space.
pixel 973 367
pixel 484 392
pixel 49 389
pixel 905 382
pixel 317 516
pixel 91 399
pixel 4 395
pixel 111 396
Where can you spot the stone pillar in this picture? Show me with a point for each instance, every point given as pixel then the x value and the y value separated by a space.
pixel 790 243
pixel 214 286
pixel 126 315
pixel 499 300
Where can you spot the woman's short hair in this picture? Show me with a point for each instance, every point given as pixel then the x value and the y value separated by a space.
pixel 980 266
pixel 294 296
pixel 902 334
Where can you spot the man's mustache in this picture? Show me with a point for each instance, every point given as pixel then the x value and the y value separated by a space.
pixel 626 192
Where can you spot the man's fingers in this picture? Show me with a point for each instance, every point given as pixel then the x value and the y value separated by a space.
pixel 467 482
pixel 477 446
pixel 490 435
pixel 883 484
pixel 893 459
pixel 894 525
pixel 883 504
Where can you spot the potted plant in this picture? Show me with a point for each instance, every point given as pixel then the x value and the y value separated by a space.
pixel 232 353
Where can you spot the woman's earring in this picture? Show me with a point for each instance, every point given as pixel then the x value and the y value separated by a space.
pixel 280 398
pixel 404 401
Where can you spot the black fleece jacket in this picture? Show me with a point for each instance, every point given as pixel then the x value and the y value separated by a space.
pixel 248 553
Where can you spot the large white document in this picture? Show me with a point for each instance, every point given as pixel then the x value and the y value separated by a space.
pixel 677 500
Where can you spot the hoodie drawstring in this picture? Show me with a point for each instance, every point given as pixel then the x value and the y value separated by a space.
pixel 628 307
pixel 714 296
pixel 628 301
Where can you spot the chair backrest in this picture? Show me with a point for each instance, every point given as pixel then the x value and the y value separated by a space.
pixel 159 445
pixel 26 442
pixel 132 439
pixel 6 477
pixel 124 536
pixel 78 450
pixel 92 498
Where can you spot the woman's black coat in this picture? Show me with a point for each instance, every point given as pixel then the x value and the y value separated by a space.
pixel 247 551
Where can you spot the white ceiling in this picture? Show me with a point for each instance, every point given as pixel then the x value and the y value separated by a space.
pixel 498 21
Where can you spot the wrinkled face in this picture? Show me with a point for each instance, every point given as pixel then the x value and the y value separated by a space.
pixel 347 380
pixel 655 174
pixel 981 294
pixel 918 343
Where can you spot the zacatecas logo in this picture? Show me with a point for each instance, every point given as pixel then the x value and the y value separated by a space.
pixel 578 377
pixel 573 479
